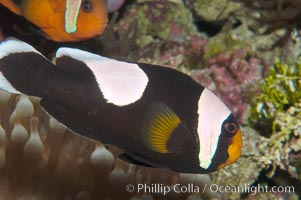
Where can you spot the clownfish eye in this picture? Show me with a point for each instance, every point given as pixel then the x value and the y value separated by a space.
pixel 87 6
pixel 231 127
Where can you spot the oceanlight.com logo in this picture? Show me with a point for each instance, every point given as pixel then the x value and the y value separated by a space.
pixel 253 190
pixel 159 188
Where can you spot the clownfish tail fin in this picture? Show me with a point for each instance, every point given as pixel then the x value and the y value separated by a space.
pixel 20 68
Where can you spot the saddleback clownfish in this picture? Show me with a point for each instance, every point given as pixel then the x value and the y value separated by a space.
pixel 63 20
pixel 159 116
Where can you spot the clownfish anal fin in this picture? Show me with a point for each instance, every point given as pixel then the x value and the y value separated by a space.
pixel 127 157
pixel 65 117
pixel 158 126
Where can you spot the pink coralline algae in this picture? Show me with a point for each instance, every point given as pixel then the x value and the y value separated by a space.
pixel 185 54
pixel 233 78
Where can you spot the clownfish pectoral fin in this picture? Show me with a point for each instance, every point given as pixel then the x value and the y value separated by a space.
pixel 12 6
pixel 65 117
pixel 159 124
pixel 126 157
pixel 71 15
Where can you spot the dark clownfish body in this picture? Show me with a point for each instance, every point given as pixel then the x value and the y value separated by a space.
pixel 160 117
pixel 63 20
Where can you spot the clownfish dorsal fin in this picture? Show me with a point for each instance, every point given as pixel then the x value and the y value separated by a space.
pixel 74 60
pixel 80 55
pixel 160 122
pixel 121 83
pixel 71 15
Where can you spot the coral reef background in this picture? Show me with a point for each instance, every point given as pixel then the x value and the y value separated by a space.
pixel 247 52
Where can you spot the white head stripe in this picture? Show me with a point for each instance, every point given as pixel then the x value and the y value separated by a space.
pixel 15 46
pixel 121 83
pixel 212 112
pixel 71 15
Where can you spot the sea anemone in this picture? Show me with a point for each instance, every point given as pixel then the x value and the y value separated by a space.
pixel 41 159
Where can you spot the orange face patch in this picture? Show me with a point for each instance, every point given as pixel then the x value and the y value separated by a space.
pixel 234 149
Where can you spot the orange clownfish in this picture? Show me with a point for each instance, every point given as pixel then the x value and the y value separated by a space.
pixel 63 20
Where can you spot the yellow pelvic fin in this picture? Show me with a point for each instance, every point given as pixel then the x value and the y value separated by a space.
pixel 159 124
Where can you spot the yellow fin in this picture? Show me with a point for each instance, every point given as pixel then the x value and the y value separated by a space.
pixel 159 124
